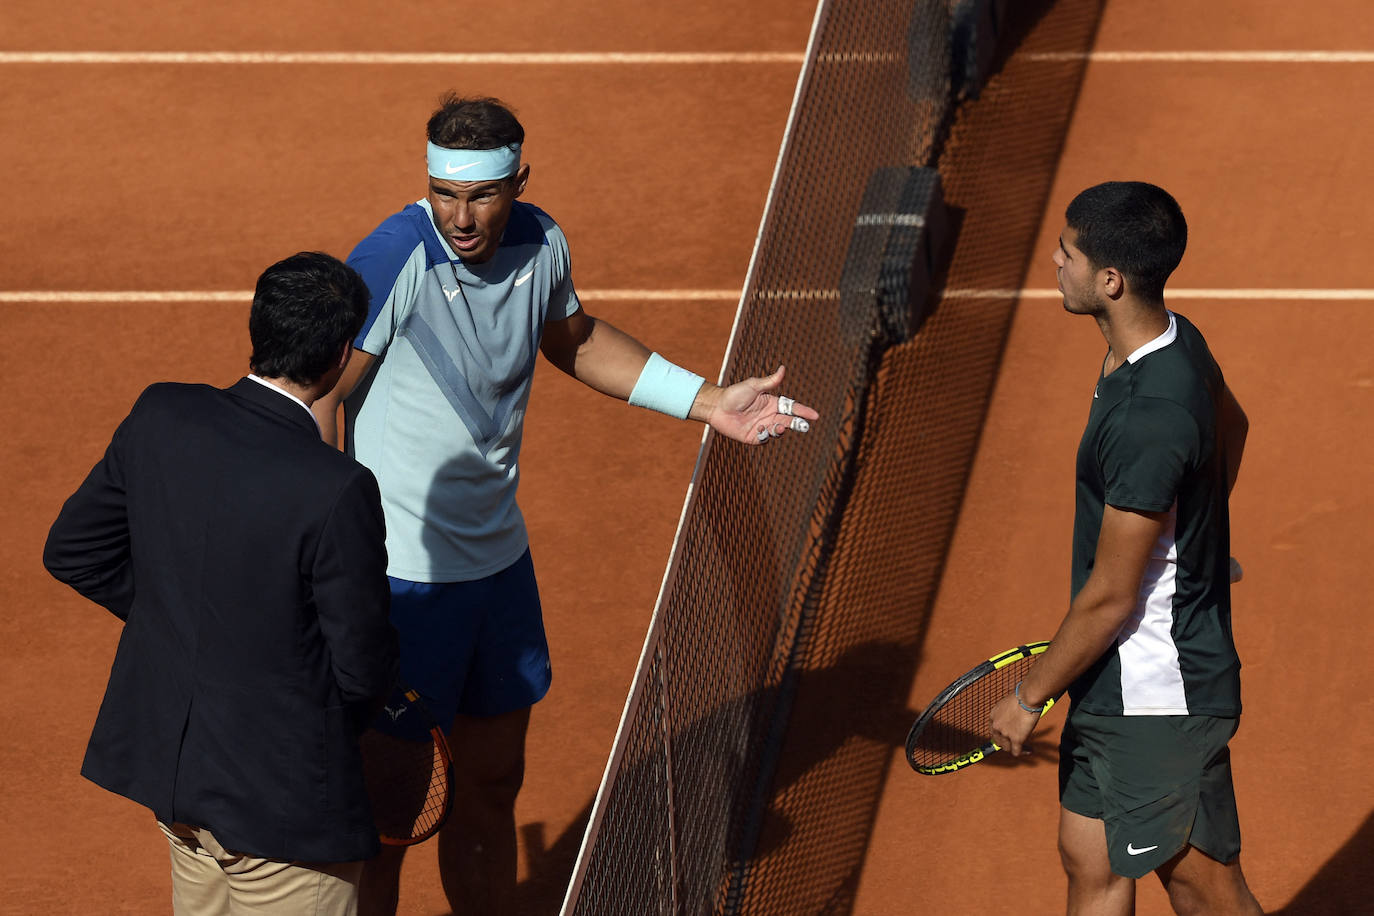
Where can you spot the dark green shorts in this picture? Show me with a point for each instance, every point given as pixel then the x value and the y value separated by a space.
pixel 1159 783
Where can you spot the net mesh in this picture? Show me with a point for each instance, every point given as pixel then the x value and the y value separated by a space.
pixel 772 689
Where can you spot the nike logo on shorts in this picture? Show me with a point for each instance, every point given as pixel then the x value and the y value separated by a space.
pixel 1132 851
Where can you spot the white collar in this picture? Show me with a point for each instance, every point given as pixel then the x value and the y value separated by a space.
pixel 1160 342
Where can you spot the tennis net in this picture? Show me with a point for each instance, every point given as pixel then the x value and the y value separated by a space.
pixel 771 689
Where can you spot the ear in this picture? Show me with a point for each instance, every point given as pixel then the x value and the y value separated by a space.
pixel 346 355
pixel 521 177
pixel 1113 282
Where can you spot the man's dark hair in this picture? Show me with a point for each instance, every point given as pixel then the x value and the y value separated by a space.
pixel 474 123
pixel 306 309
pixel 1136 227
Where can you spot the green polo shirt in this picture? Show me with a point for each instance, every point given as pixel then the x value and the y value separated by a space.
pixel 1152 445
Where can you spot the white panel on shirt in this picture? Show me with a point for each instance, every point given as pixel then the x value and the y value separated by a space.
pixel 1151 681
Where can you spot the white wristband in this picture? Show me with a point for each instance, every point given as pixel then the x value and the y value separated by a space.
pixel 666 388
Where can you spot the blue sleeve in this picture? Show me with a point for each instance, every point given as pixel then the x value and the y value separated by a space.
pixel 392 262
pixel 563 300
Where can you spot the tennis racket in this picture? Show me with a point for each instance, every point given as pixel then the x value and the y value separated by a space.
pixel 409 781
pixel 953 733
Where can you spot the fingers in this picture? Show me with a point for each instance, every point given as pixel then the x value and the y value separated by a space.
pixel 775 430
pixel 758 402
pixel 1008 726
pixel 1002 740
pixel 1009 744
pixel 771 383
pixel 787 407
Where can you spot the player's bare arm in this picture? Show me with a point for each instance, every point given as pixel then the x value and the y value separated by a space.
pixel 1094 619
pixel 607 359
pixel 326 407
pixel 594 352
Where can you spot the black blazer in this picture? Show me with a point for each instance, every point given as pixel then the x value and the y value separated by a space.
pixel 246 558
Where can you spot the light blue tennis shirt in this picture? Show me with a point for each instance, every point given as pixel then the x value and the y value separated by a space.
pixel 439 419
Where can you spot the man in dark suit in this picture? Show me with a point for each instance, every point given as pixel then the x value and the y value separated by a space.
pixel 246 558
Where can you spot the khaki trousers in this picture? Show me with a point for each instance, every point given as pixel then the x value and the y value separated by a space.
pixel 209 880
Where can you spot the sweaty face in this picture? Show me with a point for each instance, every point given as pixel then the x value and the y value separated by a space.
pixel 1077 277
pixel 472 215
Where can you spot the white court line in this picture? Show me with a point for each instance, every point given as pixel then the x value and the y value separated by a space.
pixel 659 295
pixel 1207 57
pixel 635 57
pixel 108 296
pixel 1314 295
pixel 246 296
pixel 353 57
pixel 39 297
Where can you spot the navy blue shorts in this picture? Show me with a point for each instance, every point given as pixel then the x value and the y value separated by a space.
pixel 476 648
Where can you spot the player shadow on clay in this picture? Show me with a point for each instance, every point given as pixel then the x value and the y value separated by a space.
pixel 1342 884
pixel 863 702
pixel 874 670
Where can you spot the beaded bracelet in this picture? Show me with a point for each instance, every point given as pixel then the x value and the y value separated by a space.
pixel 1035 709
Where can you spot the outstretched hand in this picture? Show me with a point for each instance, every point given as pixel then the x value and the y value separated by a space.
pixel 753 412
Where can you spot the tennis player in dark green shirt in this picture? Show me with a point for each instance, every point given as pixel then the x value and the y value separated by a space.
pixel 1145 650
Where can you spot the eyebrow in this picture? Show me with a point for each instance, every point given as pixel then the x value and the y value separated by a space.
pixel 1063 249
pixel 491 185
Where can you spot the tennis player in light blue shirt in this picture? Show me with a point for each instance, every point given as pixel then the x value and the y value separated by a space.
pixel 468 284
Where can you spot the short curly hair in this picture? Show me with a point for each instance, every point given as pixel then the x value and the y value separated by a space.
pixel 474 123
